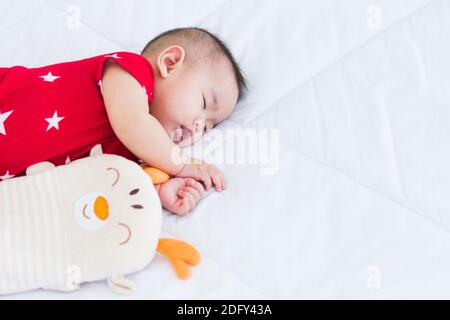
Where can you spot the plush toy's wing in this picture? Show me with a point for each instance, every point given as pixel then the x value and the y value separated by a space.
pixel 157 176
pixel 180 254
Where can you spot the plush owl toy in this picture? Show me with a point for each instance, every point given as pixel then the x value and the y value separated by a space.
pixel 95 218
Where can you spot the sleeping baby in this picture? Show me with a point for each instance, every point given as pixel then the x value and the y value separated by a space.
pixel 143 107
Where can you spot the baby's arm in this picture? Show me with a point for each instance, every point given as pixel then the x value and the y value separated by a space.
pixel 127 108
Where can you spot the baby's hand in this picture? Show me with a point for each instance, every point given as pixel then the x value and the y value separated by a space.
pixel 180 195
pixel 205 173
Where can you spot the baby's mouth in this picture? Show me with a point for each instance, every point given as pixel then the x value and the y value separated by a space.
pixel 180 134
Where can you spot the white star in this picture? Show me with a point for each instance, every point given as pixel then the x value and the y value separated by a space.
pixel 53 122
pixel 115 56
pixel 6 176
pixel 3 117
pixel 50 77
pixel 67 160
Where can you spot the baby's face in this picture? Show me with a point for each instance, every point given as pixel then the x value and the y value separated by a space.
pixel 194 99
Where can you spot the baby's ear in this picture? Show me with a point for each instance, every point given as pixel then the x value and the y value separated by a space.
pixel 170 60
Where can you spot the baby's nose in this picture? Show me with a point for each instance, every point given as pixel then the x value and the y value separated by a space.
pixel 198 126
pixel 101 208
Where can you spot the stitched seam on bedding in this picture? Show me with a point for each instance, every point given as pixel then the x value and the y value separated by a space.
pixel 88 26
pixel 401 21
pixel 101 35
pixel 372 189
pixel 341 58
pixel 355 180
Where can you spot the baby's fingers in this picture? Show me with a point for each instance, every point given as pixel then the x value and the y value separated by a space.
pixel 187 196
pixel 196 185
pixel 206 179
pixel 218 182
pixel 218 179
pixel 181 206
pixel 197 196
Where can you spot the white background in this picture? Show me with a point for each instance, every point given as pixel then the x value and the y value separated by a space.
pixel 359 90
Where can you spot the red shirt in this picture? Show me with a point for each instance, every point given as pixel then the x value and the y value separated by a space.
pixel 57 113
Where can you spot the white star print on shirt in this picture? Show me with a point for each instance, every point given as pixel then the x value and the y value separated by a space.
pixel 3 117
pixel 115 56
pixel 50 77
pixel 67 160
pixel 6 176
pixel 54 121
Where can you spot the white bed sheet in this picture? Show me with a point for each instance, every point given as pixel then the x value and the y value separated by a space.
pixel 359 207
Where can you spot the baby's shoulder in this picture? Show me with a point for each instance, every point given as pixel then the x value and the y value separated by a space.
pixel 116 81
pixel 127 72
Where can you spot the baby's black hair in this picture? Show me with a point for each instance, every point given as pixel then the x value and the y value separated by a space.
pixel 196 35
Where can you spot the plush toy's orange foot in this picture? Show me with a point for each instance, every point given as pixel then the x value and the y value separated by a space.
pixel 180 254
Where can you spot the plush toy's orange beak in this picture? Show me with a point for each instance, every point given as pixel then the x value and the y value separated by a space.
pixel 180 254
pixel 101 208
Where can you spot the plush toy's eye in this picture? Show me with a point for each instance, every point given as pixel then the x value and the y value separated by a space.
pixel 135 206
pixel 116 173
pixel 133 192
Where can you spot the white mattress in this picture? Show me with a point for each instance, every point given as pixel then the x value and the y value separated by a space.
pixel 359 89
